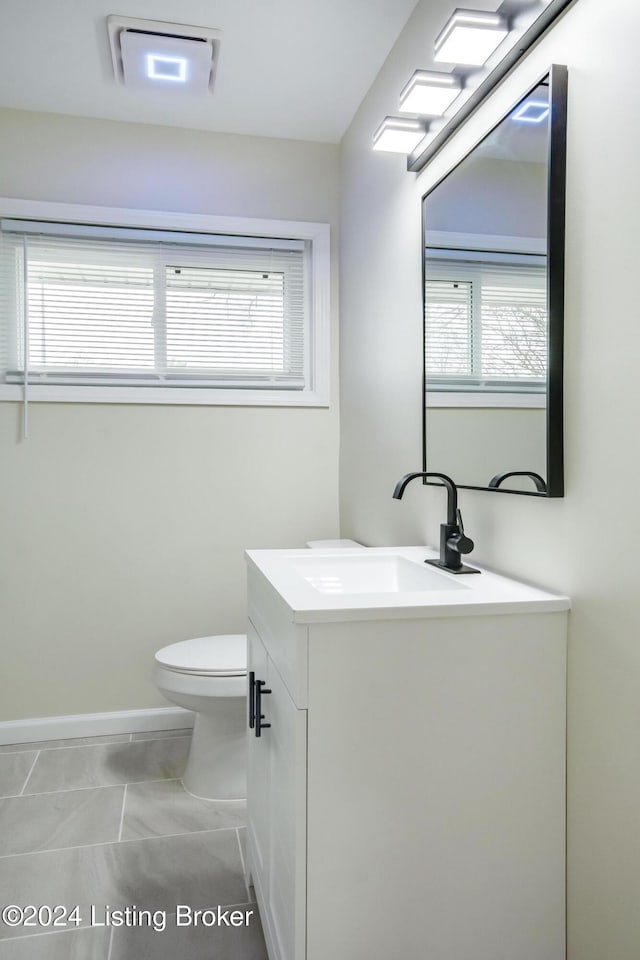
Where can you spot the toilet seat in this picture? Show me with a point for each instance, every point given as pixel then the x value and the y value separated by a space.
pixel 221 656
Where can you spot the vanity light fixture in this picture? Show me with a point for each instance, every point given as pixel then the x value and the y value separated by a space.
pixel 429 94
pixel 398 135
pixel 532 111
pixel 470 37
pixel 468 41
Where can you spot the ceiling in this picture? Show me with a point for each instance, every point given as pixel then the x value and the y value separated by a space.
pixel 288 68
pixel 513 140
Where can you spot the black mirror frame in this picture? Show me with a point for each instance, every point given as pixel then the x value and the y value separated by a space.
pixel 556 193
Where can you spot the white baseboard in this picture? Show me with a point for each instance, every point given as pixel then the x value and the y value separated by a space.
pixel 94 724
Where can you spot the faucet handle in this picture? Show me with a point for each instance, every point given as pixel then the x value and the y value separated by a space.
pixel 458 541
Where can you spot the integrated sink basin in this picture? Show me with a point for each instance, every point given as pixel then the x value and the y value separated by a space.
pixel 372 583
pixel 370 574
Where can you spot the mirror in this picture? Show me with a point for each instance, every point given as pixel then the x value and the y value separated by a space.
pixel 493 241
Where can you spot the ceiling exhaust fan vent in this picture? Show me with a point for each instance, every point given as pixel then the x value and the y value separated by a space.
pixel 152 54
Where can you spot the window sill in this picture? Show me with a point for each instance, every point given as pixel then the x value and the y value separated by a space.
pixel 444 398
pixel 176 396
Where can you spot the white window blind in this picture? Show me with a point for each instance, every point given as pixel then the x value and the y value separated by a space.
pixel 449 333
pixel 485 326
pixel 150 309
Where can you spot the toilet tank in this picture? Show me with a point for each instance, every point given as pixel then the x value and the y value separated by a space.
pixel 332 544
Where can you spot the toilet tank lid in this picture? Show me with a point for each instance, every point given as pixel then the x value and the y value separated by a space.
pixel 224 655
pixel 332 544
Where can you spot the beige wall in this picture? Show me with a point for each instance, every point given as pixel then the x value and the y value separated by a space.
pixel 584 543
pixel 472 444
pixel 122 528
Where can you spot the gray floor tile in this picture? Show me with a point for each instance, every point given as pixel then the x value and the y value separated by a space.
pixel 192 942
pixel 164 807
pixel 163 734
pixel 53 744
pixel 196 869
pixel 71 945
pixel 14 770
pixel 54 820
pixel 69 877
pixel 108 765
pixel 200 870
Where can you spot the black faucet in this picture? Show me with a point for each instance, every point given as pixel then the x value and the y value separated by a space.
pixel 453 542
pixel 540 484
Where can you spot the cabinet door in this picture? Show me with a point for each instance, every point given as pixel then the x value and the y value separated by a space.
pixel 258 780
pixel 287 738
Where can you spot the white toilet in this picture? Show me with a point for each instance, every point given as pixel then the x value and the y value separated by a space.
pixel 208 675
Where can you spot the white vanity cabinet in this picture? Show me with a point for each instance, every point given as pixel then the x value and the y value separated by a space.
pixel 277 784
pixel 407 799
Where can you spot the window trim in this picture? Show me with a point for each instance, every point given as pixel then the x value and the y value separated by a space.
pixel 454 399
pixel 318 319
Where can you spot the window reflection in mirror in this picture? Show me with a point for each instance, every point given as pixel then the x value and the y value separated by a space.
pixel 487 323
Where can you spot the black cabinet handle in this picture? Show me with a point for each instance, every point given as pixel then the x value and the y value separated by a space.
pixel 259 715
pixel 252 699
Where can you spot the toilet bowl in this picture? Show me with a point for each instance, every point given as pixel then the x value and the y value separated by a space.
pixel 208 675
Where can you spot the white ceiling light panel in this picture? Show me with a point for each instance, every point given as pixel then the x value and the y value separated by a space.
pixel 429 93
pixel 398 135
pixel 470 37
pixel 154 55
pixel 532 111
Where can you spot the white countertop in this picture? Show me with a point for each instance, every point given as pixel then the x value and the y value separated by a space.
pixel 462 595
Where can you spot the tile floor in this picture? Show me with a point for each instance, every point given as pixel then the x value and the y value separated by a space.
pixel 105 821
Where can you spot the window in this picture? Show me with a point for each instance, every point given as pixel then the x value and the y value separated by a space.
pixel 486 326
pixel 92 312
